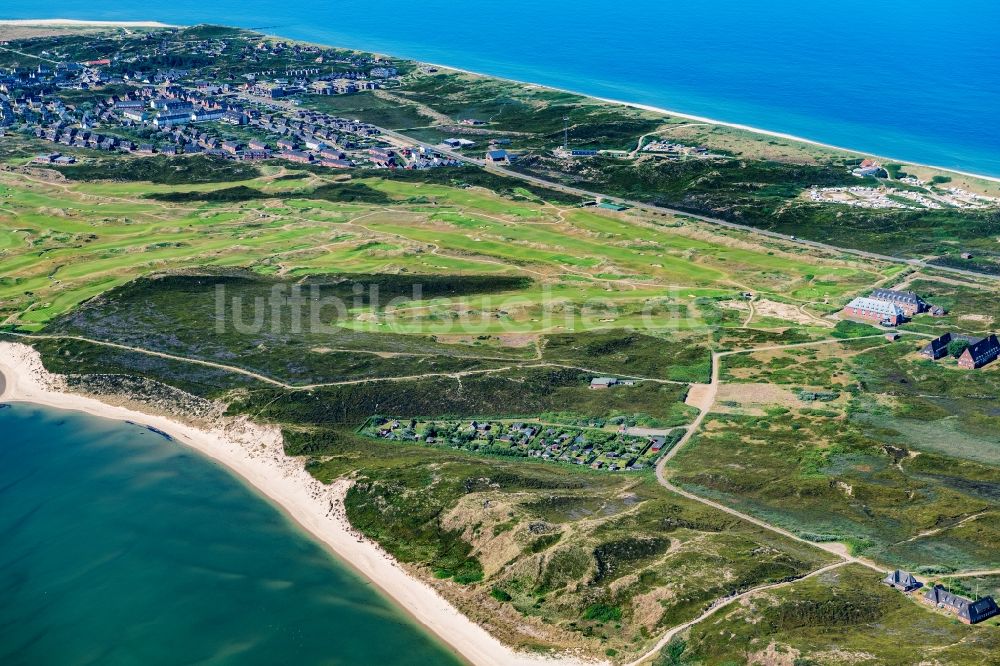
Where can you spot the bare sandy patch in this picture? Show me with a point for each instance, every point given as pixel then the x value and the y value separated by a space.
pixel 701 396
pixel 767 308
pixel 756 396
pixel 773 655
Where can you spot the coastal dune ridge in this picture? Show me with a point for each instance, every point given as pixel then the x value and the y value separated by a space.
pixel 255 454
pixel 712 121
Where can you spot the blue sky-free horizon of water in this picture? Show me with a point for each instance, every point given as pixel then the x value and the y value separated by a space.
pixel 912 79
pixel 118 547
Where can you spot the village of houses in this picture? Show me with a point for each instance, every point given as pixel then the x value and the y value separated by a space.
pixel 166 113
pixel 912 193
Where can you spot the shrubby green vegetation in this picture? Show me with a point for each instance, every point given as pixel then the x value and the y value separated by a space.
pixel 818 621
pixel 162 169
pixel 765 194
pixel 852 477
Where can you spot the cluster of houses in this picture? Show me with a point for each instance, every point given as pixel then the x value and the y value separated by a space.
pixel 173 113
pixel 596 448
pixel 164 111
pixel 966 610
pixel 340 83
pixel 889 307
pixel 978 351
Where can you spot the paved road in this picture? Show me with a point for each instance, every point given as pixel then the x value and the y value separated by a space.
pixel 402 140
pixel 587 194
pixel 703 410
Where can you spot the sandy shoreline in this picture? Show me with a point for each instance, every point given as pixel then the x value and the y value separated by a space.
pixel 721 123
pixel 634 105
pixel 254 453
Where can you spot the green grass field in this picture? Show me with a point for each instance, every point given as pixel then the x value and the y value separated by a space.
pixel 65 241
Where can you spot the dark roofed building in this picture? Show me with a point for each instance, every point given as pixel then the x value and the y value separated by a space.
pixel 938 347
pixel 966 610
pixel 901 580
pixel 979 353
pixel 908 301
pixel 884 312
pixel 497 157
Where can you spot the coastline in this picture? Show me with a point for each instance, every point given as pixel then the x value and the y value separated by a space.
pixel 635 105
pixel 712 121
pixel 254 454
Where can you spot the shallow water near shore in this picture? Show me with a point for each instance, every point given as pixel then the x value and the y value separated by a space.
pixel 911 79
pixel 120 546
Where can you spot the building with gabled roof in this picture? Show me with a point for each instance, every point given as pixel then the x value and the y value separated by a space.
pixel 602 382
pixel 871 309
pixel 908 301
pixel 966 610
pixel 980 352
pixel 497 157
pixel 938 347
pixel 901 580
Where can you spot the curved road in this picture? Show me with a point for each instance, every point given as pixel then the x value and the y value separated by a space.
pixel 703 409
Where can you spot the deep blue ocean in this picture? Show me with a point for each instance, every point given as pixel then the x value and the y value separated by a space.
pixel 119 547
pixel 912 79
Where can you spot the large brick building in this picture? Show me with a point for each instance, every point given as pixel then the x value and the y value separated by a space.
pixel 980 352
pixel 966 610
pixel 875 310
pixel 907 301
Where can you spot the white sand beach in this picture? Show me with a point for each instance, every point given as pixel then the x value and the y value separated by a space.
pixel 635 105
pixel 254 453
pixel 721 123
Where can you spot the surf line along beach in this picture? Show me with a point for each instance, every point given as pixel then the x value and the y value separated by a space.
pixel 255 454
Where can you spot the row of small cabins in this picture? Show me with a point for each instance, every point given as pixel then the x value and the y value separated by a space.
pixel 966 610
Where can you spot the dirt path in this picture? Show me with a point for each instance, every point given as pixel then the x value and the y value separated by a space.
pixel 721 603
pixel 346 382
pixel 422 109
pixel 706 398
pixel 970 574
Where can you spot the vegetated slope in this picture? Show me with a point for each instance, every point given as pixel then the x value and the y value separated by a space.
pixel 229 318
pixel 766 195
pixel 840 616
pixel 584 559
pixel 861 442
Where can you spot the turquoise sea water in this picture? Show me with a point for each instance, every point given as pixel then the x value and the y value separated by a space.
pixel 120 547
pixel 914 79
